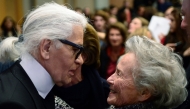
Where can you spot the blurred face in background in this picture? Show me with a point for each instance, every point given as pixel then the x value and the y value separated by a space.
pixel 115 37
pixel 135 24
pixel 172 23
pixel 141 10
pixel 87 11
pixel 185 10
pixel 8 23
pixel 112 20
pixel 99 23
pixel 168 12
pixel 114 11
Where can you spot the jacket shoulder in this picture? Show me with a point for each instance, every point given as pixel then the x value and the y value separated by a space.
pixel 8 84
pixel 13 92
pixel 11 105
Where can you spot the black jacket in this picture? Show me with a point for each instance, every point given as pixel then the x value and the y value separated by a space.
pixel 18 92
pixel 104 60
pixel 4 66
pixel 186 103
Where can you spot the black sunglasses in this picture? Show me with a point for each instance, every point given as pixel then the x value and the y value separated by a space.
pixel 81 48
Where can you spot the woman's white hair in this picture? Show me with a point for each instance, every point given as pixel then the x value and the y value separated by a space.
pixel 51 21
pixel 159 71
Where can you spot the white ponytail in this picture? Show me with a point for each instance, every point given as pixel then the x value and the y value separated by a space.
pixel 8 52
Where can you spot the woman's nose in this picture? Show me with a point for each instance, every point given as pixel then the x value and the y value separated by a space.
pixel 110 80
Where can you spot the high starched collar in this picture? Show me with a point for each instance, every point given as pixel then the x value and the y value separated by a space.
pixel 38 75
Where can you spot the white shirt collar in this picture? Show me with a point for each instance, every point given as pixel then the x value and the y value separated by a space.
pixel 38 75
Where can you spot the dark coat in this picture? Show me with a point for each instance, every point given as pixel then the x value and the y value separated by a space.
pixel 90 93
pixel 186 103
pixel 104 60
pixel 18 92
pixel 4 66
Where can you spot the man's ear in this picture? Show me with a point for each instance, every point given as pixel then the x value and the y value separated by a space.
pixel 45 45
pixel 145 95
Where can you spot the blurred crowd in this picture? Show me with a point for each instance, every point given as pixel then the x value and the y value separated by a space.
pixel 113 38
pixel 114 25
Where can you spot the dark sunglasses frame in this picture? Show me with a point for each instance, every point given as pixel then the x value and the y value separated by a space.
pixel 81 48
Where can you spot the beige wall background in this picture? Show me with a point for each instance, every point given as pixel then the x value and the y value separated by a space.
pixel 11 8
pixel 20 8
pixel 119 3
pixel 85 3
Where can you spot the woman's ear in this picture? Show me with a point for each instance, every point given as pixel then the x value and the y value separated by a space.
pixel 145 95
pixel 45 46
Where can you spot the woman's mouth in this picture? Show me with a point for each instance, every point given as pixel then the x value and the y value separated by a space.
pixel 112 91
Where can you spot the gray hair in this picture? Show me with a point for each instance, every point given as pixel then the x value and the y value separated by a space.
pixel 159 71
pixel 49 21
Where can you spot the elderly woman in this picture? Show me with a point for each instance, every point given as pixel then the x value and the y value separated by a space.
pixel 148 76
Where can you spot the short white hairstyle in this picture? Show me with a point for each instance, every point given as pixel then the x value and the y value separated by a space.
pixel 49 21
pixel 159 71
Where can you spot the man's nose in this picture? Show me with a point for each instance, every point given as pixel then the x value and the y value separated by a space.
pixel 183 24
pixel 79 60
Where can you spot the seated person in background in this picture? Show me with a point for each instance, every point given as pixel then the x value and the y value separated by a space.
pixel 100 23
pixel 87 89
pixel 148 76
pixel 177 37
pixel 168 12
pixel 137 23
pixel 113 49
pixel 112 20
pixel 9 28
pixel 176 34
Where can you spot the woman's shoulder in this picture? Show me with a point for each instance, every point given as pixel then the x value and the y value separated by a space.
pixel 137 106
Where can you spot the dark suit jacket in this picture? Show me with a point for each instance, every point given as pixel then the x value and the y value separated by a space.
pixel 4 66
pixel 18 92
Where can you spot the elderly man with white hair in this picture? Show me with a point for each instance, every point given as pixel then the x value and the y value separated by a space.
pixel 47 53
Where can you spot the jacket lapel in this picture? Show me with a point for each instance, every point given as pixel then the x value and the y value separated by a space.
pixel 21 75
